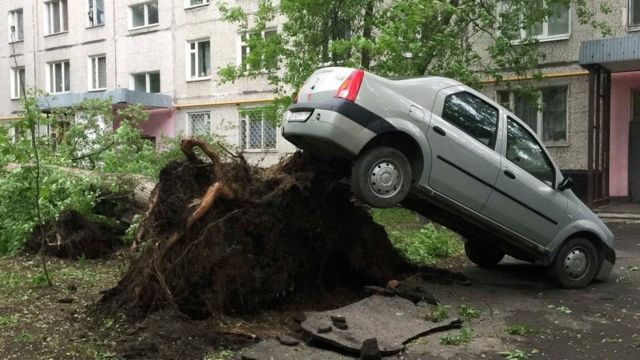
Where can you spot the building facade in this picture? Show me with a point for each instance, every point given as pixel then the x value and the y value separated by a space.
pixel 589 132
pixel 161 53
pixel 165 55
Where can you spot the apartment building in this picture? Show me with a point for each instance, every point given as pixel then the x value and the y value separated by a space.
pixel 590 96
pixel 163 54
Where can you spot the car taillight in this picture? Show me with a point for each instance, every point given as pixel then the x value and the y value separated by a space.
pixel 350 87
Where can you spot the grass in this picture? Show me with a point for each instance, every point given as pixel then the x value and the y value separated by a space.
pixel 440 313
pixel 462 338
pixel 468 312
pixel 419 243
pixel 520 330
pixel 518 354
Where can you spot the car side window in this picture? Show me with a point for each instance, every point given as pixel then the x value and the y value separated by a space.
pixel 473 116
pixel 524 151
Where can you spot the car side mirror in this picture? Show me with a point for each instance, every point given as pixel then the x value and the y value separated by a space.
pixel 566 183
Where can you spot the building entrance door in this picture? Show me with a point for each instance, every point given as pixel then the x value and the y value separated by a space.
pixel 634 148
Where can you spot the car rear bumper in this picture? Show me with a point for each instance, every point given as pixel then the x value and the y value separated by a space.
pixel 329 131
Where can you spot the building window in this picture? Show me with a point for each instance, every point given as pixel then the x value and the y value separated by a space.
pixel 16 26
pixel 56 16
pixel 256 133
pixel 145 14
pixel 194 3
pixel 58 77
pixel 199 123
pixel 146 82
pixel 556 27
pixel 244 48
pixel 98 72
pixel 547 118
pixel 634 13
pixel 96 13
pixel 199 60
pixel 16 80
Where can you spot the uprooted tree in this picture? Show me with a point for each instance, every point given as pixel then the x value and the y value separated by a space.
pixel 224 236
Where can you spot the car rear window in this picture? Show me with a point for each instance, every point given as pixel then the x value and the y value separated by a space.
pixel 473 116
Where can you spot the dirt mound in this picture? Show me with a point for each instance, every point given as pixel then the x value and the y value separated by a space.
pixel 72 235
pixel 225 237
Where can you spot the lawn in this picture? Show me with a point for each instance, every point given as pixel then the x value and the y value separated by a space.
pixel 420 241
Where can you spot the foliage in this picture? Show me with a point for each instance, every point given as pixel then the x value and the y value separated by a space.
pixel 520 330
pixel 439 313
pixel 80 137
pixel 421 244
pixel 518 354
pixel 561 309
pixel 468 312
pixel 463 39
pixel 428 244
pixel 462 338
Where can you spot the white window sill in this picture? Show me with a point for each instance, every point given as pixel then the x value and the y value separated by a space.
pixel 633 28
pixel 144 27
pixel 58 33
pixel 259 151
pixel 189 7
pixel 59 93
pixel 97 90
pixel 14 98
pixel 16 41
pixel 544 39
pixel 206 78
pixel 95 26
pixel 558 144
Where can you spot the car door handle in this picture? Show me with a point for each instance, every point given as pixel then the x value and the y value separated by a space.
pixel 438 130
pixel 509 174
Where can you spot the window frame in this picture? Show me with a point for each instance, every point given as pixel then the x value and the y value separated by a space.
pixel 241 42
pixel 16 82
pixel 494 139
pixel 190 127
pixel 188 5
pixel 12 21
pixel 196 52
pixel 93 12
pixel 93 61
pixel 543 149
pixel 51 67
pixel 63 12
pixel 539 130
pixel 630 25
pixel 147 80
pixel 244 135
pixel 145 5
pixel 544 37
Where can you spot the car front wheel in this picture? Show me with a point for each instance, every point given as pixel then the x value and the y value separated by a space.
pixel 576 264
pixel 381 177
pixel 483 255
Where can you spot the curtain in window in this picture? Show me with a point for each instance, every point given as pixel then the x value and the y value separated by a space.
pixel 527 111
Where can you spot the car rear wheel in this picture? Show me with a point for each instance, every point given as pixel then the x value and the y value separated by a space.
pixel 576 264
pixel 381 177
pixel 482 254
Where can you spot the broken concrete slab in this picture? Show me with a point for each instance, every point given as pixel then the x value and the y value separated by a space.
pixel 393 321
pixel 271 349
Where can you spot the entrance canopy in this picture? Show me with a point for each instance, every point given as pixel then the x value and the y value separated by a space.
pixel 613 54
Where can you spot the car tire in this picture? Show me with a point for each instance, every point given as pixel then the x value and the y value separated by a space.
pixel 483 254
pixel 381 177
pixel 576 264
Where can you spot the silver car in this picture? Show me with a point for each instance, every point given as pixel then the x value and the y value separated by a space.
pixel 448 152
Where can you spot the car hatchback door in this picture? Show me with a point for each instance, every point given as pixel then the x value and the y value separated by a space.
pixel 525 199
pixel 464 164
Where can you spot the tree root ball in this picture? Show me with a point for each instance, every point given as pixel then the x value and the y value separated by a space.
pixel 227 237
pixel 72 236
